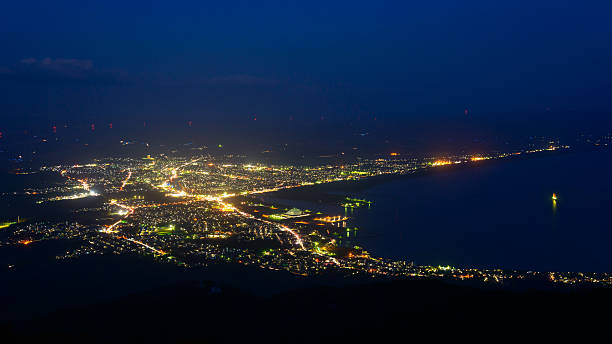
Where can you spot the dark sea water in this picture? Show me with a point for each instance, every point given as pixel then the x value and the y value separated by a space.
pixel 497 214
pixel 500 214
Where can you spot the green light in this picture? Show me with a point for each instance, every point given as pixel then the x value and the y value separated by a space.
pixel 6 224
pixel 165 230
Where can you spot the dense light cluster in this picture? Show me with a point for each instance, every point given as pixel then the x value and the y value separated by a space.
pixel 195 211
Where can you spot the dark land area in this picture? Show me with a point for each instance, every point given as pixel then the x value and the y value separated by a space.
pixel 119 299
pixel 202 311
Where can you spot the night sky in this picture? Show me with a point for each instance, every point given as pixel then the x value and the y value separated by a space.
pixel 407 67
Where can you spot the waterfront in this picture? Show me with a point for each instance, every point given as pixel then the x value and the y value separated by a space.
pixel 498 215
pixel 199 211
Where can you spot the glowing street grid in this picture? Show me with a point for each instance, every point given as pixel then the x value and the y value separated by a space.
pixel 197 211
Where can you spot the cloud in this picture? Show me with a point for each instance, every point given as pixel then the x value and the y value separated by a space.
pixel 68 68
pixel 57 70
pixel 62 65
pixel 5 70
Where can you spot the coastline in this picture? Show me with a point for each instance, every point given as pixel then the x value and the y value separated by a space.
pixel 307 192
pixel 545 232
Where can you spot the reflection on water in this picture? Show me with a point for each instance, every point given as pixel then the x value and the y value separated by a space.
pixel 494 216
pixel 459 219
pixel 341 228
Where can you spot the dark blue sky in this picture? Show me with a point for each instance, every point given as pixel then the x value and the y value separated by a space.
pixel 223 61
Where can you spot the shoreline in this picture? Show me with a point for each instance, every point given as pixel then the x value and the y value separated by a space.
pixel 334 192
pixel 365 183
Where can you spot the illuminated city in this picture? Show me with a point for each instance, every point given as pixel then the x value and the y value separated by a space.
pixel 200 211
pixel 305 171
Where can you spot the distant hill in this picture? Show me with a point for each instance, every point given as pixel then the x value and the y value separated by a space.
pixel 381 312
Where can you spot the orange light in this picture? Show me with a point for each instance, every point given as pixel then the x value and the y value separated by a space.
pixel 225 207
pixel 441 163
pixel 394 154
pixel 332 219
pixel 477 158
pixel 25 242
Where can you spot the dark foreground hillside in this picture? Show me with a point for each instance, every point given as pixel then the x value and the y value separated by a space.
pixel 400 311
